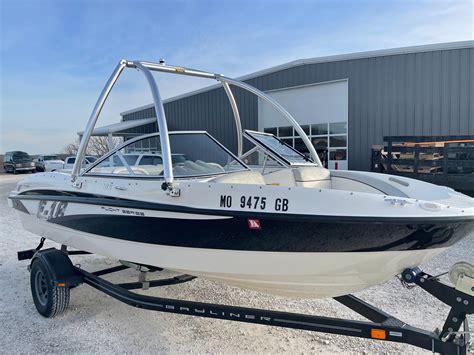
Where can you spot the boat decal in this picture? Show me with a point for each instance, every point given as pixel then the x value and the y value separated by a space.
pixel 122 211
pixel 281 203
pixel 254 224
pixel 51 209
pixel 19 206
pixel 110 209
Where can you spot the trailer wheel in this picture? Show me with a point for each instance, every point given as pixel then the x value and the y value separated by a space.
pixel 50 300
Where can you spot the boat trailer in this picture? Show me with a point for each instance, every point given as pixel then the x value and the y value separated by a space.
pixel 53 274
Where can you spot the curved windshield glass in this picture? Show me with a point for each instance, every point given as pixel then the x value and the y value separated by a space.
pixel 193 154
pixel 131 159
pixel 277 148
pixel 51 157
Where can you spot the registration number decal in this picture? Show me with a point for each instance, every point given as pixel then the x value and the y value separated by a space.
pixel 255 203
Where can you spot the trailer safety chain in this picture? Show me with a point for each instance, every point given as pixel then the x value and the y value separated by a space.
pixel 459 332
pixel 405 284
pixel 41 243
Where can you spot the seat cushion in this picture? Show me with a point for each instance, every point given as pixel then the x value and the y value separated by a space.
pixel 312 177
pixel 282 177
pixel 190 165
pixel 311 173
pixel 241 177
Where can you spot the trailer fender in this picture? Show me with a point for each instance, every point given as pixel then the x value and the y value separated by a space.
pixel 59 266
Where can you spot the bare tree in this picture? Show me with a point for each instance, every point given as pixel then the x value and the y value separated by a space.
pixel 71 148
pixel 98 145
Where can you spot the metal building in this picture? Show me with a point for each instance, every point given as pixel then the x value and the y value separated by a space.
pixel 346 103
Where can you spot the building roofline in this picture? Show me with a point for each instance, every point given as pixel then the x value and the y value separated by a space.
pixel 325 59
pixel 119 126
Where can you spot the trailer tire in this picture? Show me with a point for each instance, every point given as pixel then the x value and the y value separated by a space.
pixel 50 300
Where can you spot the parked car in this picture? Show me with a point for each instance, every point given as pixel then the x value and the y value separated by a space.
pixel 148 163
pixel 69 161
pixel 143 159
pixel 17 161
pixel 137 159
pixel 48 163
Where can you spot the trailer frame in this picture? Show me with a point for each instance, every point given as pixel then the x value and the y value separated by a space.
pixel 379 325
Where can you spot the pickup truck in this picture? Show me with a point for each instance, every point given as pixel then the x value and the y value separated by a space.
pixel 48 163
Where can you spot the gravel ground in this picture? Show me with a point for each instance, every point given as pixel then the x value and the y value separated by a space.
pixel 98 323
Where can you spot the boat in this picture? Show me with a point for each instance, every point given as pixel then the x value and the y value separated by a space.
pixel 269 219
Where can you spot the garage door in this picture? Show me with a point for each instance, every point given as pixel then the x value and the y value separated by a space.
pixel 321 110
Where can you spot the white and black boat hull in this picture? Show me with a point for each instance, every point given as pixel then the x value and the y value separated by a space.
pixel 289 255
pixel 294 274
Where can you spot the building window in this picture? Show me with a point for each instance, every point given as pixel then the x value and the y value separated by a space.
pixel 285 131
pixel 329 139
pixel 337 141
pixel 320 143
pixel 288 141
pixel 271 130
pixel 300 146
pixel 338 128
pixel 306 129
pixel 338 154
pixel 319 129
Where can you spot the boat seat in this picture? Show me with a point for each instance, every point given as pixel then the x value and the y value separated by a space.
pixel 210 166
pixel 124 171
pixel 190 165
pixel 312 176
pixel 304 176
pixel 282 177
pixel 241 177
pixel 181 171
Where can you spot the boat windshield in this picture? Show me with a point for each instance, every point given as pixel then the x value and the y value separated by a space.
pixel 50 157
pixel 277 149
pixel 193 154
pixel 131 159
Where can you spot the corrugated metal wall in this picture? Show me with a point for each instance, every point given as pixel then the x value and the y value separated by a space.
pixel 425 93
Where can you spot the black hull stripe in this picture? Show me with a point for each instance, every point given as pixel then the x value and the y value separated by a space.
pixel 274 235
pixel 99 200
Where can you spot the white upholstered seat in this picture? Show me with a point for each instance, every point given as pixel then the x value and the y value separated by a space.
pixel 241 177
pixel 312 176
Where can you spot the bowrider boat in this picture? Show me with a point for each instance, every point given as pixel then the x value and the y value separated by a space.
pixel 270 219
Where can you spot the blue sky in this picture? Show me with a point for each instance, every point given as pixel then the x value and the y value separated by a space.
pixel 55 56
